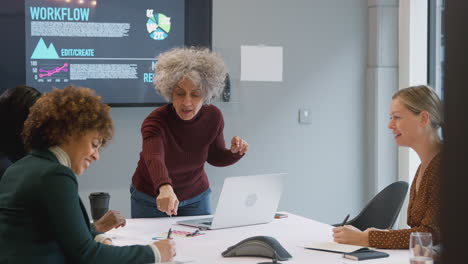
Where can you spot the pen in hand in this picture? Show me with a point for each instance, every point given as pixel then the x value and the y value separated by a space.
pixel 169 233
pixel 345 220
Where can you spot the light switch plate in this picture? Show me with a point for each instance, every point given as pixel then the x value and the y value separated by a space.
pixel 305 116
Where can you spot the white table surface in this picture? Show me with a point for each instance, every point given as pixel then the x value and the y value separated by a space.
pixel 291 232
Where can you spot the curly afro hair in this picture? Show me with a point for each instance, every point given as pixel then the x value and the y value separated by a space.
pixel 66 114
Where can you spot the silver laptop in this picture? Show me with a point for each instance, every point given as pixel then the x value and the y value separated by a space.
pixel 246 200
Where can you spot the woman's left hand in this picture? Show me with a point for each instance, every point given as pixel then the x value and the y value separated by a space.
pixel 238 145
pixel 112 219
pixel 107 241
pixel 349 234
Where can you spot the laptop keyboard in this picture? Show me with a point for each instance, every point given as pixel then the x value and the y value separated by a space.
pixel 196 222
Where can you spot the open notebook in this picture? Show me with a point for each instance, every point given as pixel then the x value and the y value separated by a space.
pixel 331 246
pixel 349 251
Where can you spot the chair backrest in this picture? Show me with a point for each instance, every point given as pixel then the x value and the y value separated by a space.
pixel 382 211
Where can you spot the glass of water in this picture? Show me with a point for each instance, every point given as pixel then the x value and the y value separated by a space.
pixel 421 248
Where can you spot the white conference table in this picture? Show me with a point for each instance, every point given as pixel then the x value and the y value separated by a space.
pixel 291 232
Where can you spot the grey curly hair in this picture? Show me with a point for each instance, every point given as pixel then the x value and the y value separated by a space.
pixel 203 67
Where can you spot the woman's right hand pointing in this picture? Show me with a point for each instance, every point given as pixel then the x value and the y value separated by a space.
pixel 167 200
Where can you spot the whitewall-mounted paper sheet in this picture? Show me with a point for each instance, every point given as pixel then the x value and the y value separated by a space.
pixel 261 63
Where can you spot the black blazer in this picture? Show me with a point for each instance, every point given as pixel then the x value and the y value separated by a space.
pixel 42 218
pixel 5 162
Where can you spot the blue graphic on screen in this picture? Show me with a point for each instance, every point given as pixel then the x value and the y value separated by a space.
pixel 43 52
pixel 110 46
pixel 158 25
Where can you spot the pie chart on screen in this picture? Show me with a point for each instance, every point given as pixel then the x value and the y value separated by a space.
pixel 158 26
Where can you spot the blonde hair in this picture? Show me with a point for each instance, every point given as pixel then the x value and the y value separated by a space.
pixel 422 98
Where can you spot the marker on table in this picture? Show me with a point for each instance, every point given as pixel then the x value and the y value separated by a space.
pixel 169 233
pixel 344 221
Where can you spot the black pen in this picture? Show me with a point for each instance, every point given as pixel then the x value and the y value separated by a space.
pixel 169 233
pixel 194 233
pixel 344 221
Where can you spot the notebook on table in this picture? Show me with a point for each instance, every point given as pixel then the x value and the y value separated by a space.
pixel 245 200
pixel 349 251
pixel 331 246
pixel 365 253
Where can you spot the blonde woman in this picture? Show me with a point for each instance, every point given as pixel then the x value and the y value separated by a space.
pixel 415 117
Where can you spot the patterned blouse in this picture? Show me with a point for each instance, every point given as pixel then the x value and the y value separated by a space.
pixel 423 210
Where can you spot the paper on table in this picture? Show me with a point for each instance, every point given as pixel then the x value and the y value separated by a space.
pixel 180 260
pixel 332 246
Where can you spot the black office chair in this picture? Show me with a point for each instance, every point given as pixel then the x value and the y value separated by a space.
pixel 382 211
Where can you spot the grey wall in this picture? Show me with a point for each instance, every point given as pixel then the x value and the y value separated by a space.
pixel 325 43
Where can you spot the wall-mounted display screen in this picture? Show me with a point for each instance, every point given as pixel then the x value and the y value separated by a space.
pixel 108 45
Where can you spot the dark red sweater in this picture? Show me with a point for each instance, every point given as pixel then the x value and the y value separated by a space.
pixel 175 151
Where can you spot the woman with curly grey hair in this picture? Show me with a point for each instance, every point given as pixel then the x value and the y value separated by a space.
pixel 179 137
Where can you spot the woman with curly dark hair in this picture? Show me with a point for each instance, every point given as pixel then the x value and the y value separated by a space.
pixel 14 109
pixel 42 219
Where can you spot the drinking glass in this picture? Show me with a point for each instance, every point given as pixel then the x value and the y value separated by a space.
pixel 421 248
